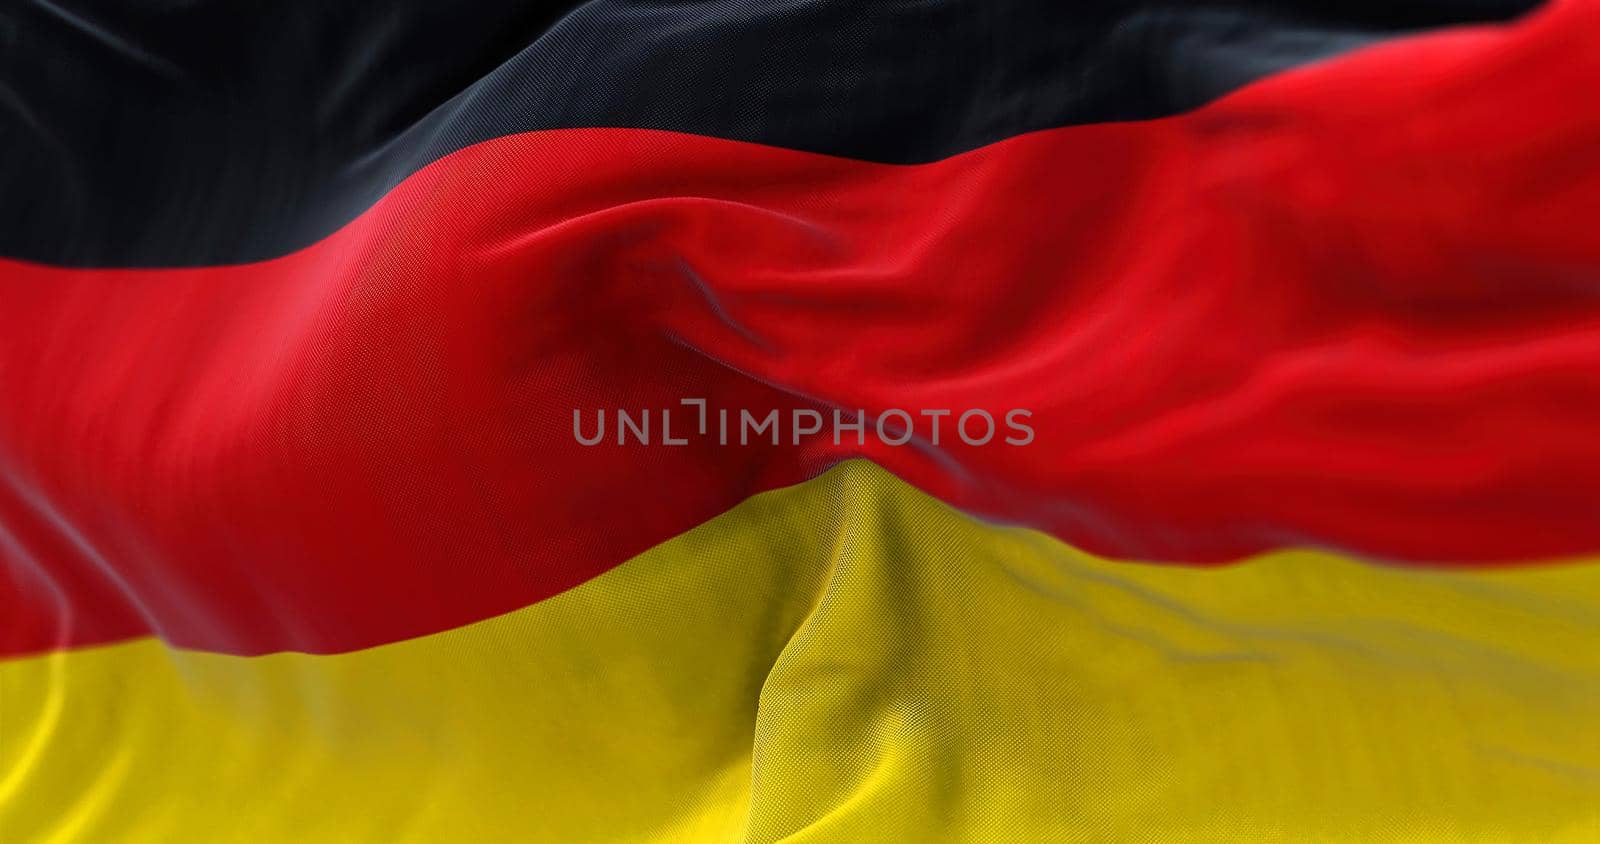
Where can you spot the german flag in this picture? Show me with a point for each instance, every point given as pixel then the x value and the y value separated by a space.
pixel 800 421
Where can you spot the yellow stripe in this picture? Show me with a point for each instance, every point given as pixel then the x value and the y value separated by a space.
pixel 849 660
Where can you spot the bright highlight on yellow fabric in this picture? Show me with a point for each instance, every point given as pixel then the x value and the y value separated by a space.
pixel 850 660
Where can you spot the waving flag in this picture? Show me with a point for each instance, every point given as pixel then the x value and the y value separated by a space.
pixel 800 421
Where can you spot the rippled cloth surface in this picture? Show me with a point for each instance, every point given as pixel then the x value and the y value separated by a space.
pixel 298 542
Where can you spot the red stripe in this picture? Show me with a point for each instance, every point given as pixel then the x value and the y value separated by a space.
pixel 1354 305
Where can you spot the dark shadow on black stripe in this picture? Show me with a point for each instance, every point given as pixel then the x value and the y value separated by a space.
pixel 167 132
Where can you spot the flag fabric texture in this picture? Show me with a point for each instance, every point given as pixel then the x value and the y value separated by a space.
pixel 1265 339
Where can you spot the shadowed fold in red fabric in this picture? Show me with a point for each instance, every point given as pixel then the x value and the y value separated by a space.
pixel 1342 307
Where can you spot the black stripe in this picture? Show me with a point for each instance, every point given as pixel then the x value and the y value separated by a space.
pixel 187 133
